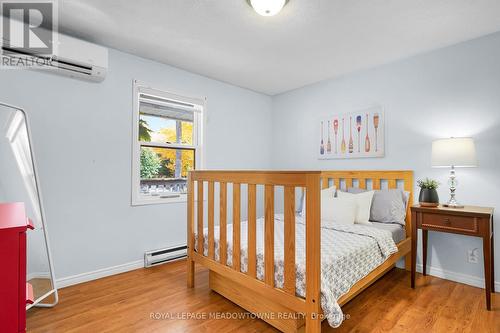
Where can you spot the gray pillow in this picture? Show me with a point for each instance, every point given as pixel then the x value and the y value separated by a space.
pixel 356 190
pixel 388 206
pixel 406 194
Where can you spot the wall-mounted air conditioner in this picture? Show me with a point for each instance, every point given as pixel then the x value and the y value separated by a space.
pixel 73 57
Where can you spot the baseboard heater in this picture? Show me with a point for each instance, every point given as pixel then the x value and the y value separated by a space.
pixel 161 256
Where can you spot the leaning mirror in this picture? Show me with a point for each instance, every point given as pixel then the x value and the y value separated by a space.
pixel 19 183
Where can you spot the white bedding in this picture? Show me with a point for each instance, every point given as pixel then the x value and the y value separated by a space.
pixel 348 253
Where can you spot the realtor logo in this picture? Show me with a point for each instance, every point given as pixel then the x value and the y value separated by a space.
pixel 28 27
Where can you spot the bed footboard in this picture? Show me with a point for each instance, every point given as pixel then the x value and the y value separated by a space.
pixel 285 297
pixel 244 288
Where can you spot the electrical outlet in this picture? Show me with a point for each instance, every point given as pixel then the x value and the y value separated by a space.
pixel 472 256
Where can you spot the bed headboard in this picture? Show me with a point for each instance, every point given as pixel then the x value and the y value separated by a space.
pixel 393 178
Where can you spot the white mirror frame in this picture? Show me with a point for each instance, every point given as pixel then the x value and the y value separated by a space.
pixel 38 301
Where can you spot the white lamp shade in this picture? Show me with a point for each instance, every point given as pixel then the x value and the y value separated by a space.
pixel 457 152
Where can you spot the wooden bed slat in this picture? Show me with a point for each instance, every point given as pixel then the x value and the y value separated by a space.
pixel 223 223
pixel 269 236
pixel 376 183
pixel 391 183
pixel 236 227
pixel 289 246
pixel 313 260
pixel 362 183
pixel 252 221
pixel 348 183
pixel 200 217
pixel 190 231
pixel 211 243
pixel 325 183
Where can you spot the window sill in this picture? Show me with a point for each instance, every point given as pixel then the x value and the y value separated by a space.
pixel 156 200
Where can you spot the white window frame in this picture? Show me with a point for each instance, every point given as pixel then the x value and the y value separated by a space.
pixel 198 105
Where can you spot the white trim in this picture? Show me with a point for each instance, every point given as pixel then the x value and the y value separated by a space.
pixel 37 275
pixel 167 145
pixel 169 95
pixel 153 200
pixel 198 137
pixel 470 280
pixel 99 273
pixel 104 272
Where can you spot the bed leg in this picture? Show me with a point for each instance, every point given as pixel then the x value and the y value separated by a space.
pixel 408 261
pixel 190 273
pixel 313 324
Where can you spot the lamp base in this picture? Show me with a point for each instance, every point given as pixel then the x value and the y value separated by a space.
pixel 453 205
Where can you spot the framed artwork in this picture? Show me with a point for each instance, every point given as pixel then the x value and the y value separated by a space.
pixel 352 135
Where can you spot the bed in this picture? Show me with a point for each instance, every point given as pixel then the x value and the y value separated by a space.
pixel 289 269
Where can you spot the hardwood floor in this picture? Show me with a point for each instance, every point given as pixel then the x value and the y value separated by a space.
pixel 41 286
pixel 126 302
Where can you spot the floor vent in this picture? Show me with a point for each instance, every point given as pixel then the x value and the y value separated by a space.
pixel 157 257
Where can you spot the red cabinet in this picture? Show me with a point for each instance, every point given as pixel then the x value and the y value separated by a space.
pixel 15 292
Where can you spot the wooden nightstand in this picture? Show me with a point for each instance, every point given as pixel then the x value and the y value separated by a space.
pixel 470 221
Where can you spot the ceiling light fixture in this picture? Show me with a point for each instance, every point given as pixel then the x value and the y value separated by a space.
pixel 267 7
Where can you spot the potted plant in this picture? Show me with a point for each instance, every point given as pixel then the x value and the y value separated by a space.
pixel 428 195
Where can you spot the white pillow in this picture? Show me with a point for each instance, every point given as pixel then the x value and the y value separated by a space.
pixel 363 205
pixel 325 193
pixel 337 211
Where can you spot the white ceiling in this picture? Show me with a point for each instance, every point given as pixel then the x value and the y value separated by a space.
pixel 309 41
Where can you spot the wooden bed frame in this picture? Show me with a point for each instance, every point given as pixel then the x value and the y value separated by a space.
pixel 279 307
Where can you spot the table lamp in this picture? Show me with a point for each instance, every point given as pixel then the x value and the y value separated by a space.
pixel 453 153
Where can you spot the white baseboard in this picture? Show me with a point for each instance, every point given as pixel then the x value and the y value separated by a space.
pixel 457 277
pixel 37 275
pixel 97 274
pixel 100 273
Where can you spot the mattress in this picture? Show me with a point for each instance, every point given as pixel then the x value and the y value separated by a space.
pixel 348 254
pixel 397 230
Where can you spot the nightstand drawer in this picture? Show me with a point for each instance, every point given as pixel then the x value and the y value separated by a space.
pixel 451 223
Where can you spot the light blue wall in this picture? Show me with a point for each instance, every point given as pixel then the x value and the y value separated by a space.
pixel 82 138
pixel 454 91
pixel 82 141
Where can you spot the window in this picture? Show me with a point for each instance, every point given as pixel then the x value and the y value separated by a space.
pixel 167 144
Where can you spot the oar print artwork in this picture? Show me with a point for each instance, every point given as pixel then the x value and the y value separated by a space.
pixel 351 143
pixel 329 143
pixel 336 130
pixel 322 146
pixel 343 146
pixel 368 124
pixel 358 126
pixel 367 138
